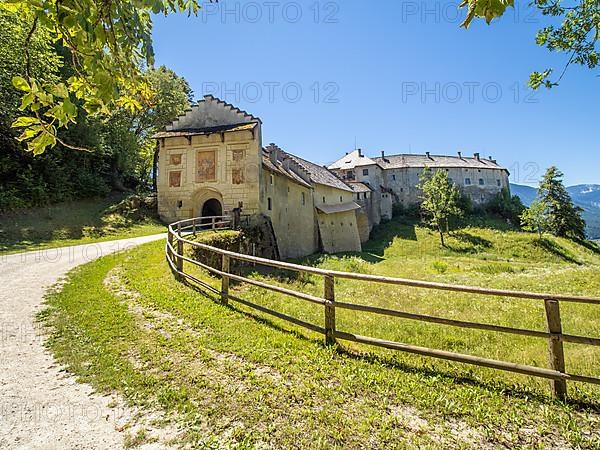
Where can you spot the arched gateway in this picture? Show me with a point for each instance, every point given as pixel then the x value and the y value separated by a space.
pixel 212 208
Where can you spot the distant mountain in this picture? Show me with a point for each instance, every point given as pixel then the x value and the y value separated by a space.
pixel 587 196
pixel 527 194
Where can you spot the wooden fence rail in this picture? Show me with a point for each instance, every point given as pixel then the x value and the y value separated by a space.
pixel 176 240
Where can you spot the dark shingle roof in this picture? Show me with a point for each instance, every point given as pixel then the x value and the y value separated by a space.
pixel 281 169
pixel 208 130
pixel 359 187
pixel 320 175
pixel 406 161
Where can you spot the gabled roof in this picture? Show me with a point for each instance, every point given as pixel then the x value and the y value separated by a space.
pixel 209 115
pixel 421 161
pixel 319 174
pixel 359 187
pixel 282 169
pixel 351 160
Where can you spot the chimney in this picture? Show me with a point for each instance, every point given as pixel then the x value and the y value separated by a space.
pixel 477 156
pixel 382 154
pixel 490 158
pixel 273 153
pixel 460 155
pixel 360 153
pixel 428 155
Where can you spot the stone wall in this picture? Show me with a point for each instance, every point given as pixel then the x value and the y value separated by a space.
pixel 403 182
pixel 292 214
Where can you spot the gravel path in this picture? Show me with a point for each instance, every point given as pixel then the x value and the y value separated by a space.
pixel 41 406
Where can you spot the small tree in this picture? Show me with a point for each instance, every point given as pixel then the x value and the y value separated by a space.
pixel 564 218
pixel 535 218
pixel 440 199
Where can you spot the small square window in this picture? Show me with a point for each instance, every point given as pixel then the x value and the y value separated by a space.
pixel 499 183
pixel 365 172
pixel 467 181
pixel 481 182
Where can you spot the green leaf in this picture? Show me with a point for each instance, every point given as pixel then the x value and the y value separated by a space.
pixel 21 84
pixel 58 90
pixel 24 121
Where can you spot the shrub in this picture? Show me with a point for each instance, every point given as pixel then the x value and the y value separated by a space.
pixel 440 266
pixel 230 240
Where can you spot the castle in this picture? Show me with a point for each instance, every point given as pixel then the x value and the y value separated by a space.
pixel 212 161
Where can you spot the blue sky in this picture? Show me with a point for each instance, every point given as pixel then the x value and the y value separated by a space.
pixel 395 76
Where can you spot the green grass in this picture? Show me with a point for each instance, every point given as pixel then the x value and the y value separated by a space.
pixel 71 223
pixel 233 378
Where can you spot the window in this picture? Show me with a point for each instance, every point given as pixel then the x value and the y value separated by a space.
pixel 272 179
pixel 481 182
pixel 364 195
pixel 499 183
pixel 324 199
pixel 269 204
pixel 303 199
pixel 366 172
pixel 394 177
pixel 358 196
pixel 467 181
pixel 349 175
pixel 341 199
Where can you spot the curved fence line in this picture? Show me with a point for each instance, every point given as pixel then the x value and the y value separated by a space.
pixel 176 239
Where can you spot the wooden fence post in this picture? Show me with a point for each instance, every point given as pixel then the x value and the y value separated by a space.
pixel 213 223
pixel 555 347
pixel 194 227
pixel 179 263
pixel 225 265
pixel 329 310
pixel 170 241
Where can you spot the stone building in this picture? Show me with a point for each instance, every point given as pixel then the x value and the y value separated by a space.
pixel 212 161
pixel 394 178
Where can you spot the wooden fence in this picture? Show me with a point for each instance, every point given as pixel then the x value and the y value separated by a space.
pixel 556 373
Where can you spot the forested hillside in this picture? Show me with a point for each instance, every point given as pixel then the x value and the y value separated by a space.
pixel 119 152
pixel 585 196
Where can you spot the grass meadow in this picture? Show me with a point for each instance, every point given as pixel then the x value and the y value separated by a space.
pixel 235 378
